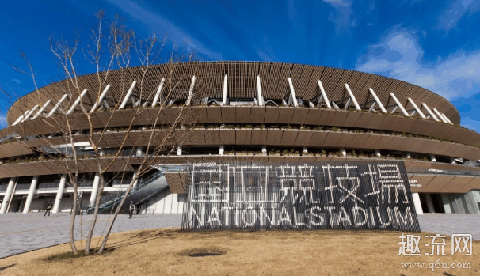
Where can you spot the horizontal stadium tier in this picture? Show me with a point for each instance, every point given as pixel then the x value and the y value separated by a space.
pixel 240 112
pixel 244 80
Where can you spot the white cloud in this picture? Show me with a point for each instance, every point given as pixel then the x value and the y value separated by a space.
pixel 343 12
pixel 399 55
pixel 456 11
pixel 3 121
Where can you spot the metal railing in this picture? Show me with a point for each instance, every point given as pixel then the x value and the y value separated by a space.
pixel 85 183
pixel 110 200
pixel 48 185
pixel 23 186
pixel 121 182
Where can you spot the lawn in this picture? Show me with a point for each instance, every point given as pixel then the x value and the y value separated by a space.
pixel 172 252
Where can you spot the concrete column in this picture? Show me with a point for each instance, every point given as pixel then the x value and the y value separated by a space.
pixel 139 152
pixel 136 181
pixel 305 150
pixel 8 195
pixel 264 149
pixel 446 204
pixel 476 198
pixel 471 202
pixel 377 153
pixel 58 198
pixel 431 209
pixel 93 196
pixel 344 152
pixel 408 155
pixel 31 192
pixel 179 150
pixel 221 150
pixel 476 195
pixel 432 158
pixel 460 206
pixel 417 203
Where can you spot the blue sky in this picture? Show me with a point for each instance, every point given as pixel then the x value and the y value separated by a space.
pixel 434 44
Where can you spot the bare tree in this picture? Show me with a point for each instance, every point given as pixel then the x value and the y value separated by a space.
pixel 112 52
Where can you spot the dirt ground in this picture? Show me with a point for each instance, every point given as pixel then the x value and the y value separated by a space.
pixel 172 252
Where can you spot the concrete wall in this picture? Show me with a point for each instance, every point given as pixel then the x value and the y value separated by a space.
pixel 165 203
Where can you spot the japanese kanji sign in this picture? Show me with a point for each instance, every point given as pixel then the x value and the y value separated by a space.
pixel 353 195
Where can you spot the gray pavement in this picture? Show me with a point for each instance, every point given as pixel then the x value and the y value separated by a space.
pixel 20 233
pixel 25 232
pixel 451 224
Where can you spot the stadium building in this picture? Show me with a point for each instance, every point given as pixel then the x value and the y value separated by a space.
pixel 243 111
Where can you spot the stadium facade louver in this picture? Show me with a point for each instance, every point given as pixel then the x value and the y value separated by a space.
pixel 245 112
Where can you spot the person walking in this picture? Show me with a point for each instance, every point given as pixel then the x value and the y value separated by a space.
pixel 131 209
pixel 49 209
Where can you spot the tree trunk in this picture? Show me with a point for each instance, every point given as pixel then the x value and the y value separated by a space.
pixel 95 216
pixel 72 220
pixel 117 211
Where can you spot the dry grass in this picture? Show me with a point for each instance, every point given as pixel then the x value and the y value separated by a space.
pixel 169 252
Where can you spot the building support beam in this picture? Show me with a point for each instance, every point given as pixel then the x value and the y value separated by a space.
pixel 292 92
pixel 54 109
pixel 129 93
pixel 29 113
pixel 41 110
pixel 377 100
pixel 100 99
pixel 190 91
pixel 416 108
pixel 344 152
pixel 221 150
pixel 77 101
pixel 264 150
pixel 430 112
pixel 158 95
pixel 352 97
pixel 324 95
pixel 433 158
pixel 18 120
pixel 58 198
pixel 179 150
pixel 305 150
pixel 93 196
pixel 399 105
pixel 8 195
pixel 446 118
pixel 439 115
pixel 377 153
pixel 259 92
pixel 417 203
pixel 31 193
pixel 225 90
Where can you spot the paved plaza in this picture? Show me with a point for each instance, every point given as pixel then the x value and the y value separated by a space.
pixel 24 232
